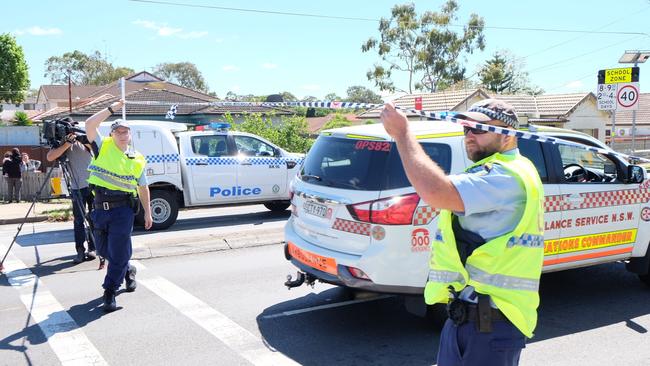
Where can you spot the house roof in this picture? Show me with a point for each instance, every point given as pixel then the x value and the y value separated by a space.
pixel 147 80
pixel 439 101
pixel 60 92
pixel 642 114
pixel 161 100
pixel 165 97
pixel 554 106
pixel 244 109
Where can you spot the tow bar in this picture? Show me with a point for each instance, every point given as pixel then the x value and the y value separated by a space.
pixel 301 278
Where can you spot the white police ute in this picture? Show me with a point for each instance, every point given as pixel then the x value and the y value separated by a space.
pixel 357 221
pixel 215 166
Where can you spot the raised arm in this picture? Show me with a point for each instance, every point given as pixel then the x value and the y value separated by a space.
pixel 92 123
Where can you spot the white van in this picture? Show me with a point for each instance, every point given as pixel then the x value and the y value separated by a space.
pixel 211 167
pixel 357 222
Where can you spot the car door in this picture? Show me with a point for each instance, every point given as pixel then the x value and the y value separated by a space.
pixel 541 155
pixel 261 173
pixel 213 168
pixel 601 211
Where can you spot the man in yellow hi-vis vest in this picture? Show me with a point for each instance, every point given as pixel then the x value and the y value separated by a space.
pixel 487 254
pixel 116 178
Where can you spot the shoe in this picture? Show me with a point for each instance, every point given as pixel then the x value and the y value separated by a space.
pixel 109 301
pixel 79 258
pixel 90 255
pixel 130 278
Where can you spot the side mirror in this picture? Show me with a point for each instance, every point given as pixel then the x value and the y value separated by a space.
pixel 635 174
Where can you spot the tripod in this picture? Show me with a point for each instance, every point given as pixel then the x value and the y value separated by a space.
pixel 78 200
pixel 68 175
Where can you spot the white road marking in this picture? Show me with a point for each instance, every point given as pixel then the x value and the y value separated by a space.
pixel 225 330
pixel 68 342
pixel 327 306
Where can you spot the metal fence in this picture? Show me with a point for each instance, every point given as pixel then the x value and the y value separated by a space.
pixel 31 183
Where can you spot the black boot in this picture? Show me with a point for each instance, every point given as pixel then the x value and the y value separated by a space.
pixel 130 278
pixel 109 301
pixel 79 258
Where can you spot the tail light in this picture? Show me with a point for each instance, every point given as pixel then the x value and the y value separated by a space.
pixel 356 272
pixel 397 210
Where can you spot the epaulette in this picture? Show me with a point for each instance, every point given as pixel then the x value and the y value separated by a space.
pixel 481 169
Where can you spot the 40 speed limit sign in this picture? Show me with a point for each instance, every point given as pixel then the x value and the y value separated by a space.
pixel 627 96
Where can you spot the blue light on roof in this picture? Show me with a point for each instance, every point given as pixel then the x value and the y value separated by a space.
pixel 219 126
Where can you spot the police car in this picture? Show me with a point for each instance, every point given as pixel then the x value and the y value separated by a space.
pixel 214 166
pixel 357 222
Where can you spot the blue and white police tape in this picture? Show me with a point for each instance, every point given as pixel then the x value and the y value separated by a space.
pixel 439 116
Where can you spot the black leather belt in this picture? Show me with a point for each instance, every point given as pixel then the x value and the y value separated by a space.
pixel 107 205
pixel 473 313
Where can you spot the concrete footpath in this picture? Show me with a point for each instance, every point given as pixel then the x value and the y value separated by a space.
pixel 198 230
pixel 13 213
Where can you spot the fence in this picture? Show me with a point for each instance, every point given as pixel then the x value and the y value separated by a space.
pixel 32 182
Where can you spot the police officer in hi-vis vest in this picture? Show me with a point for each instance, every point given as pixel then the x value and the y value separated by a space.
pixel 117 178
pixel 486 259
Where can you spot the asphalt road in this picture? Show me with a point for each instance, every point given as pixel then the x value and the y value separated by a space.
pixel 228 306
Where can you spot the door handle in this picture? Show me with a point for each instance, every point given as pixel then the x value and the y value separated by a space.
pixel 201 163
pixel 245 162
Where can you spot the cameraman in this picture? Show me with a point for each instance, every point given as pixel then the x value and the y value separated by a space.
pixel 78 156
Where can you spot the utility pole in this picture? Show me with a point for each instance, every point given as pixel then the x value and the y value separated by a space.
pixel 69 93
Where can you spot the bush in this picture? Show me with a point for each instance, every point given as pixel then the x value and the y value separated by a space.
pixel 336 122
pixel 290 134
pixel 21 119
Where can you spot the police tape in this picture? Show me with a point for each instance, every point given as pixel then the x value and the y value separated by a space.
pixel 438 116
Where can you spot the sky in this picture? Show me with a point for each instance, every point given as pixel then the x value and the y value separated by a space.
pixel 264 53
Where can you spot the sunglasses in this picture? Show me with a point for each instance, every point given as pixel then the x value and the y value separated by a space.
pixel 474 131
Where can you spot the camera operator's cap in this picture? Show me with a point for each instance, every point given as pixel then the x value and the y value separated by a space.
pixel 491 109
pixel 119 123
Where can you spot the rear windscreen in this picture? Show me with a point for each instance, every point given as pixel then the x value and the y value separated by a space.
pixel 362 164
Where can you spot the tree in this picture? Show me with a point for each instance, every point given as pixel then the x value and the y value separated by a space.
pixel 424 48
pixel 360 94
pixel 332 97
pixel 288 97
pixel 503 73
pixel 309 98
pixel 185 74
pixel 83 69
pixel 14 79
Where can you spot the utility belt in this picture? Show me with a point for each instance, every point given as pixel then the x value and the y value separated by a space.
pixel 107 199
pixel 460 312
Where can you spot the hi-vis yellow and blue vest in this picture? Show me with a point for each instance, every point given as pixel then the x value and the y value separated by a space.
pixel 508 267
pixel 112 169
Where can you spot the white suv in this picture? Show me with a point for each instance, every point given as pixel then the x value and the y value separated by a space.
pixel 357 222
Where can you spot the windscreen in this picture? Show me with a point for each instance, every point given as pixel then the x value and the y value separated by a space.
pixel 362 164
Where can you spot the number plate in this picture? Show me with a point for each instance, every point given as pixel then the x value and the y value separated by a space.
pixel 315 209
pixel 313 260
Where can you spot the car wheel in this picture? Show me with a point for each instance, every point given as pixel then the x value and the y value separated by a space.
pixel 276 206
pixel 164 210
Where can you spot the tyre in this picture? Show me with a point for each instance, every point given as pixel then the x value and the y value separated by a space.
pixel 277 206
pixel 164 210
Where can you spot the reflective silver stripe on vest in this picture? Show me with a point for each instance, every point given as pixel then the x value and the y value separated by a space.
pixel 502 281
pixel 113 181
pixel 527 240
pixel 445 276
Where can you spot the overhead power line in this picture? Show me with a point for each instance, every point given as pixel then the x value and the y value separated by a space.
pixel 273 12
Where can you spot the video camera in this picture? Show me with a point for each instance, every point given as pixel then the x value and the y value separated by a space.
pixel 56 131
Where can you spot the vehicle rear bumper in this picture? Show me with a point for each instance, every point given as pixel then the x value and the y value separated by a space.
pixel 345 278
